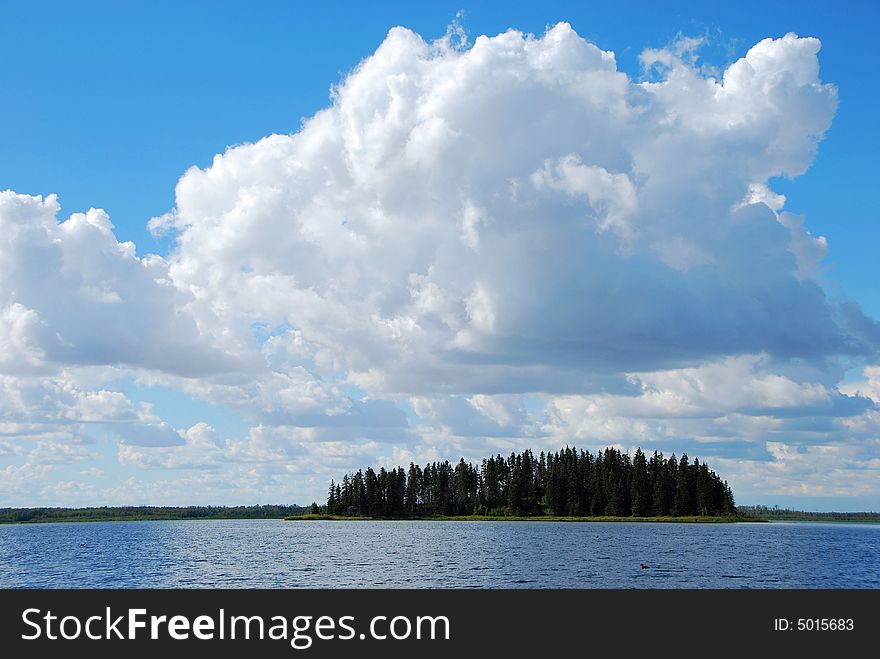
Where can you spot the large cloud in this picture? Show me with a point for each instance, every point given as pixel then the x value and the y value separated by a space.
pixel 70 293
pixel 470 249
pixel 520 216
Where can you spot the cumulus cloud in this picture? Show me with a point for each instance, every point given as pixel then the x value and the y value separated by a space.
pixel 488 219
pixel 58 400
pixel 747 399
pixel 485 245
pixel 869 386
pixel 71 294
pixel 814 471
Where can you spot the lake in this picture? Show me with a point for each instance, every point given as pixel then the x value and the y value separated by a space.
pixel 316 554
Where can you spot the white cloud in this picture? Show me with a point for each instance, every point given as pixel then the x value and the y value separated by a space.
pixel 814 471
pixel 149 434
pixel 71 294
pixel 868 387
pixel 457 219
pixel 196 447
pixel 744 398
pixel 19 326
pixel 57 399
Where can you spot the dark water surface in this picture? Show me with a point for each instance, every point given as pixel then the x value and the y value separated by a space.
pixel 270 554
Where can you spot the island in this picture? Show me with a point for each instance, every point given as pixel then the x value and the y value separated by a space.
pixel 568 485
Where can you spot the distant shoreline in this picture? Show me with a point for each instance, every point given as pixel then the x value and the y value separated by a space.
pixel 336 518
pixel 149 518
pixel 777 514
pixel 145 513
pixel 298 513
pixel 535 518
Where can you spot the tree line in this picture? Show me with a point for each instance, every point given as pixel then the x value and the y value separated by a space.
pixel 775 512
pixel 567 483
pixel 123 513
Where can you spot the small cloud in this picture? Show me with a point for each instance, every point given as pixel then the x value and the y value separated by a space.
pixel 149 434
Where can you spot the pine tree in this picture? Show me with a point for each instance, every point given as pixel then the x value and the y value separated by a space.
pixel 371 493
pixel 413 482
pixel 640 495
pixel 685 502
pixel 331 499
pixel 346 496
pixel 569 482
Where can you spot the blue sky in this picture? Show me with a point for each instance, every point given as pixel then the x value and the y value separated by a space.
pixel 107 105
pixel 113 101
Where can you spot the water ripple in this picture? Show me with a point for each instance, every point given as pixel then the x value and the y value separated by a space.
pixel 269 553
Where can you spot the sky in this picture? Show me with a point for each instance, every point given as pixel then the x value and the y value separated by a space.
pixel 246 248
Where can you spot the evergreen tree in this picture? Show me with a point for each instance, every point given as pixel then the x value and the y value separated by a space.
pixel 359 494
pixel 569 482
pixel 640 495
pixel 413 488
pixel 331 499
pixel 685 502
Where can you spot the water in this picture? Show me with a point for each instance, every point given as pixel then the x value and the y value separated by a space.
pixel 277 554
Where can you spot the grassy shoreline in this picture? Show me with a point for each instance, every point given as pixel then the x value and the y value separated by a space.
pixel 145 513
pixel 440 518
pixel 776 514
pixel 145 518
pixel 470 518
pixel 157 514
pixel 537 518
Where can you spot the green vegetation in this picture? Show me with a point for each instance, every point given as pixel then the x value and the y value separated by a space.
pixel 131 513
pixel 567 484
pixel 787 515
pixel 696 519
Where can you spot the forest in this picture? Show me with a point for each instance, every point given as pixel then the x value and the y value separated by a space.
pixel 569 483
